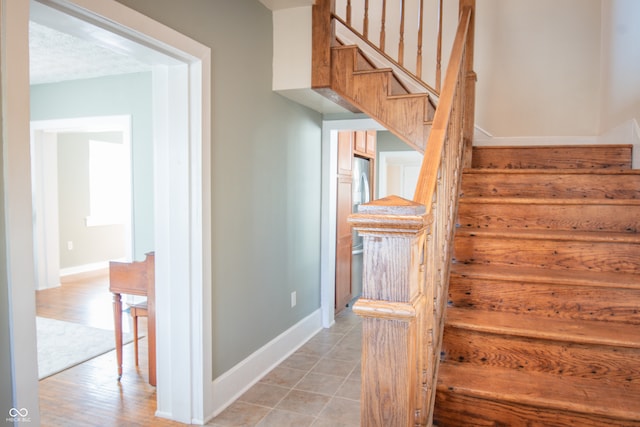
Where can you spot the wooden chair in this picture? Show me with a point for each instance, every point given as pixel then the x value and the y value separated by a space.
pixel 135 278
pixel 137 310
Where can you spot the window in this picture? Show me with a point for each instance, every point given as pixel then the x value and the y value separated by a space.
pixel 108 183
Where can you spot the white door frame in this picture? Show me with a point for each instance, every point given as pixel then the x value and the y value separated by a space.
pixel 330 130
pixel 45 188
pixel 182 211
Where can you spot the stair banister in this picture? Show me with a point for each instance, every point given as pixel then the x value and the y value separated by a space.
pixel 407 252
pixel 409 62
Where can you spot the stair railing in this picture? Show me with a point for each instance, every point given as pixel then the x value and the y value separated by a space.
pixel 368 23
pixel 407 257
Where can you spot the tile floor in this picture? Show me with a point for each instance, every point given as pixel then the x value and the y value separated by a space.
pixel 318 386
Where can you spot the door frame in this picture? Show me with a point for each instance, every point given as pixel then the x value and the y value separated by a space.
pixel 44 136
pixel 182 207
pixel 328 226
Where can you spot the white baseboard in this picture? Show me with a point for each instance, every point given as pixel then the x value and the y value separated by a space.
pixel 84 269
pixel 235 382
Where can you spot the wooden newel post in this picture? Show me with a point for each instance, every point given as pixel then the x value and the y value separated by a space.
pixel 392 306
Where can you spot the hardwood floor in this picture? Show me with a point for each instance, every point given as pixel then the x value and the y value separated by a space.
pixel 89 394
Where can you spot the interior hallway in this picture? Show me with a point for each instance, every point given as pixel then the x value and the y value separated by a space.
pixel 319 385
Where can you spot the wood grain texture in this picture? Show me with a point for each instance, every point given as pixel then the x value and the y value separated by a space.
pixel 487 350
pixel 389 374
pixel 549 214
pixel 553 184
pixel 553 157
pixel 550 299
pixel 544 296
pixel 553 253
pixel 465 410
pixel 543 391
pixel 374 92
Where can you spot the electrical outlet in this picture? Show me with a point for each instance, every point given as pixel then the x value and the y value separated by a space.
pixel 293 299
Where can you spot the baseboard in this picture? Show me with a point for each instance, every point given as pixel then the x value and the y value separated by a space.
pixel 85 270
pixel 625 133
pixel 502 141
pixel 232 384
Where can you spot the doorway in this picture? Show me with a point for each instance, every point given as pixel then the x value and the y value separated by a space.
pixel 330 131
pixel 181 75
pixel 104 191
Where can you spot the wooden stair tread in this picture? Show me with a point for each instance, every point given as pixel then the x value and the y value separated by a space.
pixel 553 235
pixel 542 390
pixel 523 325
pixel 547 201
pixel 539 275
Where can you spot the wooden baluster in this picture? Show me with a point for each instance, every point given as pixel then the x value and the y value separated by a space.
pixel 470 81
pixel 419 53
pixel 401 43
pixel 383 19
pixel 365 23
pixel 349 13
pixel 439 50
pixel 392 307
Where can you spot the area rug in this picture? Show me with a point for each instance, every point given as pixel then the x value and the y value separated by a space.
pixel 62 345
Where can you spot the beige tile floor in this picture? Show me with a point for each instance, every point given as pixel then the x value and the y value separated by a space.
pixel 318 385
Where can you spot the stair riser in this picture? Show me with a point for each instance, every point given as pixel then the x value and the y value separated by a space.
pixel 612 218
pixel 554 255
pixel 407 115
pixel 370 91
pixel 547 300
pixel 561 186
pixel 455 410
pixel 612 364
pixel 566 157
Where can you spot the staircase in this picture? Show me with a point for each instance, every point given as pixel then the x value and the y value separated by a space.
pixel 379 93
pixel 543 319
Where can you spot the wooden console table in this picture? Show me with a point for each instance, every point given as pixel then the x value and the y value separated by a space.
pixel 135 278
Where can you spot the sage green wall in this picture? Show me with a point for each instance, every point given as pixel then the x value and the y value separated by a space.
pixel 90 244
pixel 386 141
pixel 265 179
pixel 128 94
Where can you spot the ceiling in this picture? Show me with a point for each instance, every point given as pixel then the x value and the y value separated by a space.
pixel 56 56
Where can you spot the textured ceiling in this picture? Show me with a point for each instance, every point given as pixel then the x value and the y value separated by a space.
pixel 55 56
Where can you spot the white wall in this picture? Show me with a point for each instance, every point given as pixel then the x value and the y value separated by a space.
pixel 538 66
pixel 620 63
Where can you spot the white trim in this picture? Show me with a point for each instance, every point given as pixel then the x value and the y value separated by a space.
pixel 16 169
pixel 625 133
pixel 330 130
pixel 86 268
pixel 237 380
pixel 47 239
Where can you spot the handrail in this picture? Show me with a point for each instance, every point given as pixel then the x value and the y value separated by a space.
pixel 408 74
pixel 440 127
pixel 407 259
pixel 400 55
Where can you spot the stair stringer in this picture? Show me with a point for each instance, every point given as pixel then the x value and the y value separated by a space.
pixel 408 116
